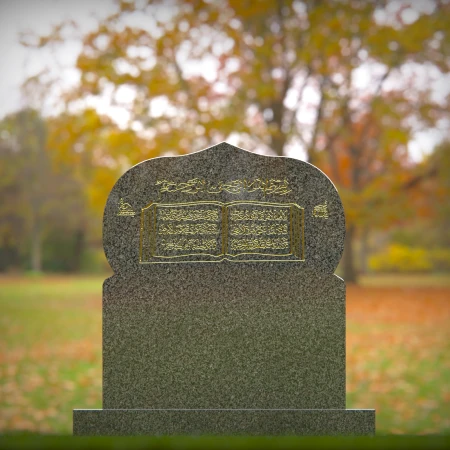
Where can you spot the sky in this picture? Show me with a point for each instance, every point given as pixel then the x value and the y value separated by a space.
pixel 39 16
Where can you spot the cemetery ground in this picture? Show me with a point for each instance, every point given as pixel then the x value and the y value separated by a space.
pixel 398 347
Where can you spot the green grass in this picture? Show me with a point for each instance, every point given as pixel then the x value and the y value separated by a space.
pixel 51 334
pixel 50 308
pixel 50 355
pixel 226 442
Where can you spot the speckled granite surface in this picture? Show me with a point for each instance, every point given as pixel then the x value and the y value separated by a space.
pixel 224 164
pixel 229 335
pixel 214 344
pixel 224 422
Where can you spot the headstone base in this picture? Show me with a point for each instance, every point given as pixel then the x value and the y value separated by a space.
pixel 153 422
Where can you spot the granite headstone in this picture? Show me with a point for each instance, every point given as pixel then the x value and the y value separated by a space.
pixel 224 315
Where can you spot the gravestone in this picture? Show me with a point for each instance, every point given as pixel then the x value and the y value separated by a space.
pixel 224 315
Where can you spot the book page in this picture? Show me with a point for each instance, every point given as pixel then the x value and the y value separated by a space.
pixel 264 229
pixel 214 231
pixel 180 230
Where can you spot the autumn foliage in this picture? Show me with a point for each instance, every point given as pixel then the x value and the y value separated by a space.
pixel 340 84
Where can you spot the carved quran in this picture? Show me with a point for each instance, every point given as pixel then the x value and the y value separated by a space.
pixel 213 231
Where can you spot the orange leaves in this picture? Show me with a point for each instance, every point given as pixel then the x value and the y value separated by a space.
pixel 398 305
pixel 397 342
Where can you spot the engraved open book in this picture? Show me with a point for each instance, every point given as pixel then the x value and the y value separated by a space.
pixel 214 231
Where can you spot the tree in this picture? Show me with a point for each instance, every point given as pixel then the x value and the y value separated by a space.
pixel 284 74
pixel 429 192
pixel 36 198
pixel 96 150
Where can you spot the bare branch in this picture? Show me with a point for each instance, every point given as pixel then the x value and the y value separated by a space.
pixel 431 173
pixel 372 148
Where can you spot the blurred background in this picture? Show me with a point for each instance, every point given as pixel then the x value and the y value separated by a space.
pixel 360 89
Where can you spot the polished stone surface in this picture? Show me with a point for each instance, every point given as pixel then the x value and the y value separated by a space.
pixel 130 422
pixel 237 326
pixel 223 164
pixel 229 335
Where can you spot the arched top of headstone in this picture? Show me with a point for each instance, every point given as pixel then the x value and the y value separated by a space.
pixel 223 205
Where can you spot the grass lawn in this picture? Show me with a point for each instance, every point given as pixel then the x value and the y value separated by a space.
pixel 398 352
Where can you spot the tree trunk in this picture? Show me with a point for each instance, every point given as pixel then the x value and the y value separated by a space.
pixel 364 250
pixel 350 275
pixel 277 144
pixel 36 248
pixel 277 138
pixel 79 244
pixel 8 256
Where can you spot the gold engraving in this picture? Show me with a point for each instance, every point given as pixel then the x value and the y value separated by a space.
pixel 125 209
pixel 224 229
pixel 189 244
pixel 321 211
pixel 180 215
pixel 188 228
pixel 259 243
pixel 196 185
pixel 140 240
pixel 270 214
pixel 264 228
pixel 215 231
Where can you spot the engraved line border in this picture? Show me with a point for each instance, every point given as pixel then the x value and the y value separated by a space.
pixel 222 258
pixel 223 205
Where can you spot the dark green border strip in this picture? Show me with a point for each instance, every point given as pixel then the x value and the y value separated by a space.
pixel 33 441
